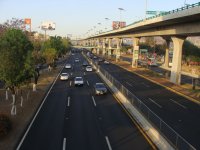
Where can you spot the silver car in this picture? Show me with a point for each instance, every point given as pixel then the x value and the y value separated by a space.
pixel 64 76
pixel 100 89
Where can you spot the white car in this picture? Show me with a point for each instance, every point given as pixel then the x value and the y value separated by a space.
pixel 76 60
pixel 68 66
pixel 78 81
pixel 106 62
pixel 88 68
pixel 64 76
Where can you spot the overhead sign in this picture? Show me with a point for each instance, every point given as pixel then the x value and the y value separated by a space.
pixel 155 12
pixel 48 25
pixel 136 55
pixel 143 50
pixel 136 52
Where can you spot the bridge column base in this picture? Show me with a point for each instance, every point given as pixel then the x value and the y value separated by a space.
pixel 176 61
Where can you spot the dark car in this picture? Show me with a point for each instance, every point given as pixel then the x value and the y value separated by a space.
pixel 100 60
pixel 100 88
pixel 85 63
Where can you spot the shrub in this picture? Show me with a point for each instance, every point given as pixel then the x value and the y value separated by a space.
pixel 5 125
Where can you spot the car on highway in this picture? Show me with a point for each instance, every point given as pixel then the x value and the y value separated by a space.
pixel 152 62
pixel 64 76
pixel 78 81
pixel 100 60
pixel 88 68
pixel 76 60
pixel 68 66
pixel 100 88
pixel 106 62
pixel 85 63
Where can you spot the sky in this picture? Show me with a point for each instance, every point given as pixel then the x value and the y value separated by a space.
pixel 77 17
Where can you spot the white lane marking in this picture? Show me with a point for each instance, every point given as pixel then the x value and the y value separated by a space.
pixel 94 101
pixel 145 84
pixel 88 83
pixel 155 103
pixel 108 143
pixel 128 84
pixel 70 83
pixel 29 127
pixel 178 104
pixel 64 143
pixel 68 102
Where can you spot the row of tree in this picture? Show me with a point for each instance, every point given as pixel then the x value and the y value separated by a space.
pixel 20 54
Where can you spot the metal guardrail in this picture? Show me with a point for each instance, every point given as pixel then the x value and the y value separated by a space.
pixel 171 135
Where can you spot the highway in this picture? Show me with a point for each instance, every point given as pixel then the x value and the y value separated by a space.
pixel 178 112
pixel 73 118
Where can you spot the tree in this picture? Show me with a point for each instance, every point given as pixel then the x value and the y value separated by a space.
pixel 67 44
pixel 15 66
pixel 14 23
pixel 56 43
pixel 49 54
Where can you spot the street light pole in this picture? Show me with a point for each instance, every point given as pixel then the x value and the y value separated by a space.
pixel 105 23
pixel 145 9
pixel 99 27
pixel 120 9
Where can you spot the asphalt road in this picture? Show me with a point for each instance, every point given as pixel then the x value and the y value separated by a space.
pixel 178 112
pixel 184 79
pixel 74 117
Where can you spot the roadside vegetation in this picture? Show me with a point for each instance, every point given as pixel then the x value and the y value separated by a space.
pixel 22 59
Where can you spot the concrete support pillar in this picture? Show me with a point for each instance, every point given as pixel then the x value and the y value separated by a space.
pixel 135 48
pixel 98 46
pixel 118 53
pixel 109 47
pixel 104 47
pixel 176 60
pixel 166 62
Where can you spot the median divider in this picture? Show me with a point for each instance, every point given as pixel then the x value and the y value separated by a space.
pixel 154 128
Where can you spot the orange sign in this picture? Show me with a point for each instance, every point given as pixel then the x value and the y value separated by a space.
pixel 27 21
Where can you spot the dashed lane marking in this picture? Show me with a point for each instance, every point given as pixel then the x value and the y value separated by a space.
pixel 108 143
pixel 178 104
pixel 129 84
pixel 155 103
pixel 94 101
pixel 68 102
pixel 64 144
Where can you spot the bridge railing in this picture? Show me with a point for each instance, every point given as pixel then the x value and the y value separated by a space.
pixel 165 13
pixel 171 135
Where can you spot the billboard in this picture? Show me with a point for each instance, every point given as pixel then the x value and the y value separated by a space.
pixel 27 21
pixel 118 25
pixel 48 25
